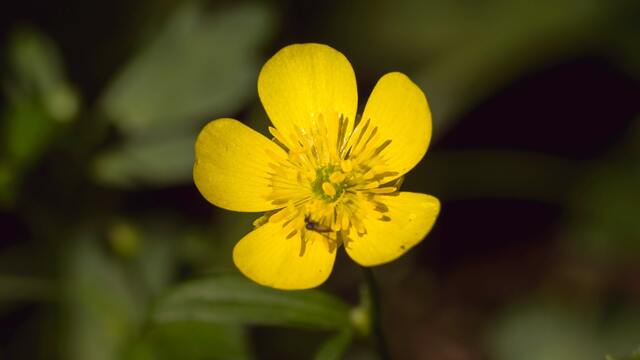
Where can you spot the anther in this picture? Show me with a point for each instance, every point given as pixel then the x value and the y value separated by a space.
pixel 328 189
pixel 346 165
pixel 336 177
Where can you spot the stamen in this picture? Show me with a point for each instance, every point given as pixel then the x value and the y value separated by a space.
pixel 344 223
pixel 383 190
pixel 337 177
pixel 278 136
pixel 330 181
pixel 346 165
pixel 328 189
pixel 279 216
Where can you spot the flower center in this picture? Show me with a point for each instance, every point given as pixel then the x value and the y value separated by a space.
pixel 329 184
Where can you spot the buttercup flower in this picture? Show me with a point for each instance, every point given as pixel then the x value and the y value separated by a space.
pixel 324 180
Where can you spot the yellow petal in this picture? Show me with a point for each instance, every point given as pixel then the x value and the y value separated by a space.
pixel 409 218
pixel 303 80
pixel 400 110
pixel 232 164
pixel 269 258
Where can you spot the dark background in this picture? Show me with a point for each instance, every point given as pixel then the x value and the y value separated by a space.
pixel 535 157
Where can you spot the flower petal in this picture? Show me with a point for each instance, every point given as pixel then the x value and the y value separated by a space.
pixel 409 218
pixel 269 258
pixel 304 80
pixel 232 165
pixel 399 109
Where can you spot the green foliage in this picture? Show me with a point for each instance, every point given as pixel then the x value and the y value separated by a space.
pixel 37 72
pixel 191 341
pixel 150 162
pixel 39 99
pixel 335 347
pixel 104 310
pixel 236 300
pixel 39 95
pixel 632 357
pixel 604 223
pixel 562 332
pixel 230 300
pixel 108 291
pixel 200 66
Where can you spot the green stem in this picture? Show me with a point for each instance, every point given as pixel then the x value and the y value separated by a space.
pixel 377 333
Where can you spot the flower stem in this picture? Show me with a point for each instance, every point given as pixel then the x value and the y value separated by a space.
pixel 377 333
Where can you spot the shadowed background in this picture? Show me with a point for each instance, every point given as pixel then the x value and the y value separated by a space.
pixel 535 157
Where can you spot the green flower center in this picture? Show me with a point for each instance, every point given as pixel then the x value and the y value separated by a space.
pixel 330 183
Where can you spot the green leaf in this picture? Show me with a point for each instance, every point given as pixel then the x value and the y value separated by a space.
pixel 37 71
pixel 28 131
pixel 191 341
pixel 22 288
pixel 7 184
pixel 563 331
pixel 557 332
pixel 147 162
pixel 39 97
pixel 108 292
pixel 334 348
pixel 632 357
pixel 200 66
pixel 604 205
pixel 236 300
pixel 104 311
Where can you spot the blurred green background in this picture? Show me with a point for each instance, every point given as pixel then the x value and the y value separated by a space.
pixel 107 251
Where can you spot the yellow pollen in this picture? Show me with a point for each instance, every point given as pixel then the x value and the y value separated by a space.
pixel 337 177
pixel 328 189
pixel 346 166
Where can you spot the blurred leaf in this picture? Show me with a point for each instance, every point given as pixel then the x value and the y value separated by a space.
pixel 334 348
pixel 28 131
pixel 550 332
pixel 544 334
pixel 38 96
pixel 604 224
pixel 7 184
pixel 38 72
pixel 104 311
pixel 200 66
pixel 622 44
pixel 155 262
pixel 20 288
pixel 236 300
pixel 147 162
pixel 619 330
pixel 108 293
pixel 191 341
pixel 632 357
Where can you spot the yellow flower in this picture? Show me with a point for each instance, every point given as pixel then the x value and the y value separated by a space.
pixel 325 180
